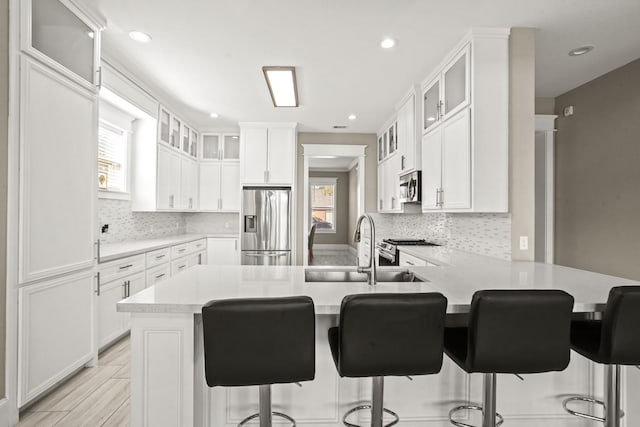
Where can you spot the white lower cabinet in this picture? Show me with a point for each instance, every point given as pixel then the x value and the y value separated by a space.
pixel 407 260
pixel 111 323
pixel 223 251
pixel 179 265
pixel 55 332
pixel 158 274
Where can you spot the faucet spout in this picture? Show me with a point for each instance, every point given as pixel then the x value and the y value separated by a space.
pixel 370 269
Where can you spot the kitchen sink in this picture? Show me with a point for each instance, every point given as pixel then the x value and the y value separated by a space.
pixel 350 275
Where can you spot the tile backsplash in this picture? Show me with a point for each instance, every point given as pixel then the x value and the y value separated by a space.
pixel 213 223
pixel 127 225
pixel 484 234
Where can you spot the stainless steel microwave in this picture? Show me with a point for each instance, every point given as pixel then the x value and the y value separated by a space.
pixel 411 187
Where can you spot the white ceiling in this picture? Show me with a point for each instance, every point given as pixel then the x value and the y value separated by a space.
pixel 209 54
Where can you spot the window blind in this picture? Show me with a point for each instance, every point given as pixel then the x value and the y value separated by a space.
pixel 112 158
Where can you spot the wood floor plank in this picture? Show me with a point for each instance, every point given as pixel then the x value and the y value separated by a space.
pixel 99 406
pixel 118 354
pixel 40 419
pixel 68 395
pixel 124 372
pixel 120 418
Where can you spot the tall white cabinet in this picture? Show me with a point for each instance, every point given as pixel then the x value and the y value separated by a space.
pixel 58 123
pixel 220 173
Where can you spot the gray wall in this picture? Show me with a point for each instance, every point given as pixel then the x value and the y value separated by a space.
pixel 4 114
pixel 353 204
pixel 341 236
pixel 521 140
pixel 545 105
pixel 371 172
pixel 597 216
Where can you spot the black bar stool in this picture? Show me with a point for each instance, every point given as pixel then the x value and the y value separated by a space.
pixel 388 335
pixel 260 342
pixel 510 332
pixel 612 341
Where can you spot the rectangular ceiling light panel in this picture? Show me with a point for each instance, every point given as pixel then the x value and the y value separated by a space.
pixel 282 85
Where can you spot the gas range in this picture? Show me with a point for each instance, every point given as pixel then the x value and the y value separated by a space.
pixel 388 249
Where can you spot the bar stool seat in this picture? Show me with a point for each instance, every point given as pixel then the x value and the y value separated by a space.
pixel 259 341
pixel 612 341
pixel 387 335
pixel 510 332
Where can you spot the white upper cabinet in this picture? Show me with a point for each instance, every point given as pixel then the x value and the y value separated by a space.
pixel 210 186
pixel 58 170
pixel 220 173
pixel 188 184
pixel 64 37
pixel 267 153
pixel 169 177
pixel 231 147
pixel 211 147
pixel 164 124
pixel 465 111
pixel 408 132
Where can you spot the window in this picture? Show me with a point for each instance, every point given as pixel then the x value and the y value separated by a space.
pixel 113 149
pixel 323 204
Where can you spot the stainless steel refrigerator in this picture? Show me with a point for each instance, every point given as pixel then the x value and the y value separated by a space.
pixel 266 226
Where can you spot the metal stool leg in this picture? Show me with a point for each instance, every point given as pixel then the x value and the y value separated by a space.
pixel 265 414
pixel 376 407
pixel 611 403
pixel 490 418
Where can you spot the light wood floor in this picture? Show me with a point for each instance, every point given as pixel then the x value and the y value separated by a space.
pixel 93 397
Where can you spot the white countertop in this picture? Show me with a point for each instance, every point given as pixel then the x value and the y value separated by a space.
pixel 113 251
pixel 458 275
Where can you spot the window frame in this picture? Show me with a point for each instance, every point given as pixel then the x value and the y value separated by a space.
pixel 324 181
pixel 111 194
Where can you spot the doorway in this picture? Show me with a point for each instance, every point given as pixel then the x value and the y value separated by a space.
pixel 333 199
pixel 544 188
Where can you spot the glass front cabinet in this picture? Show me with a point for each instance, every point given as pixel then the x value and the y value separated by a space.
pixel 61 35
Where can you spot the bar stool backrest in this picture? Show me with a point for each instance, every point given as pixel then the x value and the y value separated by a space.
pixel 391 334
pixel 519 331
pixel 259 341
pixel 620 343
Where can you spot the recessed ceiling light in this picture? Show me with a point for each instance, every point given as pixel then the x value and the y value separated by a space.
pixel 282 85
pixel 352 117
pixel 140 37
pixel 387 43
pixel 214 115
pixel 580 50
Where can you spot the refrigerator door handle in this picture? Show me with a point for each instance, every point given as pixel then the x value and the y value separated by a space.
pixel 266 255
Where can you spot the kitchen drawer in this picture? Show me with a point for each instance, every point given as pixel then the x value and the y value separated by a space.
pixel 158 257
pixel 123 267
pixel 179 266
pixel 158 274
pixel 197 246
pixel 407 260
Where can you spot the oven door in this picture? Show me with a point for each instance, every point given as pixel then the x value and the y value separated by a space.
pixel 387 258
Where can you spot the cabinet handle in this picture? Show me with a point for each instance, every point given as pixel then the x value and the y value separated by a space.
pixel 99 72
pixel 437 197
pixel 440 110
pixel 266 176
pixel 380 204
pixel 236 244
pixel 98 283
pixel 181 250
pixel 124 289
pixel 190 202
pixel 409 263
pixel 160 275
pixel 160 256
pixel 441 197
pixel 171 201
pixel 402 162
pixel 219 203
pixel 124 267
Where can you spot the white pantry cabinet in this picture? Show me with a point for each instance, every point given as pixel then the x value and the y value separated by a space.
pixel 223 251
pixel 466 108
pixel 58 122
pixel 267 153
pixel 446 180
pixel 55 332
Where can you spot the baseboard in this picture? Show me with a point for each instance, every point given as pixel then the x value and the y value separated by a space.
pixel 4 413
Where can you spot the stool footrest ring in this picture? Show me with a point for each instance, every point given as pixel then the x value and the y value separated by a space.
pixel 275 414
pixel 395 421
pixel 499 419
pixel 592 417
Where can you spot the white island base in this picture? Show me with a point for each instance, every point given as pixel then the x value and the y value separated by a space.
pixel 168 387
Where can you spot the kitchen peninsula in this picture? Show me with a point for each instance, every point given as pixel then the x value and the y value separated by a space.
pixel 167 380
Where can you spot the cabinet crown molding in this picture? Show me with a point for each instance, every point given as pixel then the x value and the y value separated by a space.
pixel 291 125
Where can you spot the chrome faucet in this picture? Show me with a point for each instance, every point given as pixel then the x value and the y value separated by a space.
pixel 371 268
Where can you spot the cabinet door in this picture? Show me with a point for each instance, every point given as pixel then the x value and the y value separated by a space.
pixel 168 178
pixel 165 126
pixel 210 186
pixel 58 171
pixel 176 129
pixel 456 88
pixel 110 321
pixel 135 284
pixel 406 135
pixel 456 162
pixel 231 149
pixel 158 274
pixel 254 155
pixel 381 187
pixel 194 144
pixel 55 332
pixel 380 149
pixel 281 156
pixel 178 266
pixel 211 147
pixel 186 139
pixel 188 183
pixel 392 184
pixel 431 105
pixel 223 251
pixel 431 169
pixel 230 187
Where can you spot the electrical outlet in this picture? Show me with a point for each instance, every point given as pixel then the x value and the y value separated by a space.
pixel 524 243
pixel 568 111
